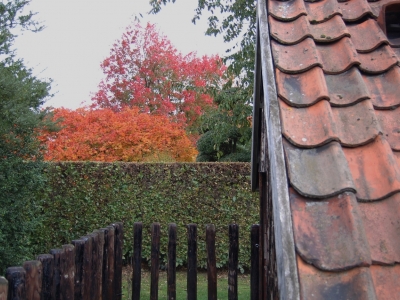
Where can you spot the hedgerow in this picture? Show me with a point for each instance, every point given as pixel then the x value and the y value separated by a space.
pixel 82 196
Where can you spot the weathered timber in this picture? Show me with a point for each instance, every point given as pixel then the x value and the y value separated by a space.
pixel 33 283
pixel 79 250
pixel 108 263
pixel 67 280
pixel 211 262
pixel 3 288
pixel 99 262
pixel 255 263
pixel 47 261
pixel 171 268
pixel 233 261
pixel 96 271
pixel 192 262
pixel 155 260
pixel 56 292
pixel 87 272
pixel 119 242
pixel 16 283
pixel 137 260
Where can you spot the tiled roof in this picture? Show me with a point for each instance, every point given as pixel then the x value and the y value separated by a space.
pixel 338 84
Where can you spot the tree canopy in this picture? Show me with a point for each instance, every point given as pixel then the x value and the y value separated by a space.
pixel 145 70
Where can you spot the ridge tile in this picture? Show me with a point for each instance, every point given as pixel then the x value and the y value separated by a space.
pixel 367 36
pixel 329 233
pixel 302 89
pixel 319 172
pixel 347 88
pixel 374 170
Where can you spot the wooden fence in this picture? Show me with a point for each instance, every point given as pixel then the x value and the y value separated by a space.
pixel 192 262
pixel 88 268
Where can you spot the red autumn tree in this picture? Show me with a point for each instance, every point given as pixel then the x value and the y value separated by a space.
pixel 127 135
pixel 145 70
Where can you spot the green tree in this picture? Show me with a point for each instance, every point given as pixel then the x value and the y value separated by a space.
pixel 21 117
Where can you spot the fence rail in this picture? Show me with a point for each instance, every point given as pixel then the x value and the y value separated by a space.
pixel 88 268
pixel 192 262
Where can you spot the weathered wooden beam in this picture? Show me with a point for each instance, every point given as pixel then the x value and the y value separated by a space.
pixel 108 263
pixel 87 271
pixel 99 263
pixel 79 250
pixel 137 260
pixel 47 261
pixel 67 280
pixel 16 277
pixel 171 268
pixel 119 242
pixel 33 284
pixel 3 288
pixel 155 260
pixel 192 262
pixel 255 262
pixel 211 262
pixel 56 291
pixel 233 261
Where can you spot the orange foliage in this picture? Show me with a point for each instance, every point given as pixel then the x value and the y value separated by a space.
pixel 105 135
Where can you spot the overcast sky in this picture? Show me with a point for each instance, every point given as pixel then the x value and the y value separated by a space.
pixel 79 35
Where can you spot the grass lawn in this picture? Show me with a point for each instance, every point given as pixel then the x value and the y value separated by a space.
pixel 243 286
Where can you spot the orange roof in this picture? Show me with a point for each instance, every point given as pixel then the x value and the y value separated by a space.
pixel 337 86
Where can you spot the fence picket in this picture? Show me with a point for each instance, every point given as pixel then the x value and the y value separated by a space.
pixel 119 243
pixel 192 262
pixel 255 263
pixel 56 273
pixel 137 260
pixel 108 263
pixel 16 283
pixel 33 279
pixel 233 261
pixel 3 288
pixel 67 280
pixel 155 260
pixel 211 262
pixel 171 268
pixel 79 250
pixel 47 261
pixel 87 272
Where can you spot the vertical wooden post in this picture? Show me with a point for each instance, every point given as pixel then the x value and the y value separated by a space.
pixel 3 288
pixel 192 262
pixel 87 272
pixel 171 268
pixel 56 273
pixel 211 262
pixel 119 242
pixel 33 283
pixel 99 262
pixel 96 273
pixel 109 285
pixel 255 262
pixel 47 261
pixel 137 260
pixel 79 250
pixel 67 280
pixel 233 261
pixel 155 262
pixel 16 283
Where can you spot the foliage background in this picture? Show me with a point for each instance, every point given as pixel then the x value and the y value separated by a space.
pixel 82 196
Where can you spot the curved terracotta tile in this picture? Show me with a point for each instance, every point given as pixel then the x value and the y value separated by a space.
pixel 329 234
pixel 390 124
pixel 346 88
pixel 374 169
pixel 384 88
pixel 367 36
pixel 288 10
pixel 397 157
pixel 322 11
pixel 397 52
pixel 308 127
pixel 357 124
pixel 289 32
pixel 355 284
pixel 319 172
pixel 303 89
pixel 329 31
pixel 386 281
pixel 376 7
pixel 295 58
pixel 338 57
pixel 378 61
pixel 382 227
pixel 355 9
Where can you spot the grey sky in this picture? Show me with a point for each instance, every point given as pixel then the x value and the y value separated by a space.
pixel 79 35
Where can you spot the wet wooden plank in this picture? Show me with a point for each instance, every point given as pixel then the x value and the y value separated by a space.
pixel 192 262
pixel 171 268
pixel 137 260
pixel 155 260
pixel 47 261
pixel 233 261
pixel 16 283
pixel 33 283
pixel 211 262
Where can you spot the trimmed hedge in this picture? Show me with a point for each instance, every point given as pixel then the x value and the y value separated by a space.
pixel 82 196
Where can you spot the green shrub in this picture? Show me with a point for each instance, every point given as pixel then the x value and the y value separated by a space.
pixel 81 197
